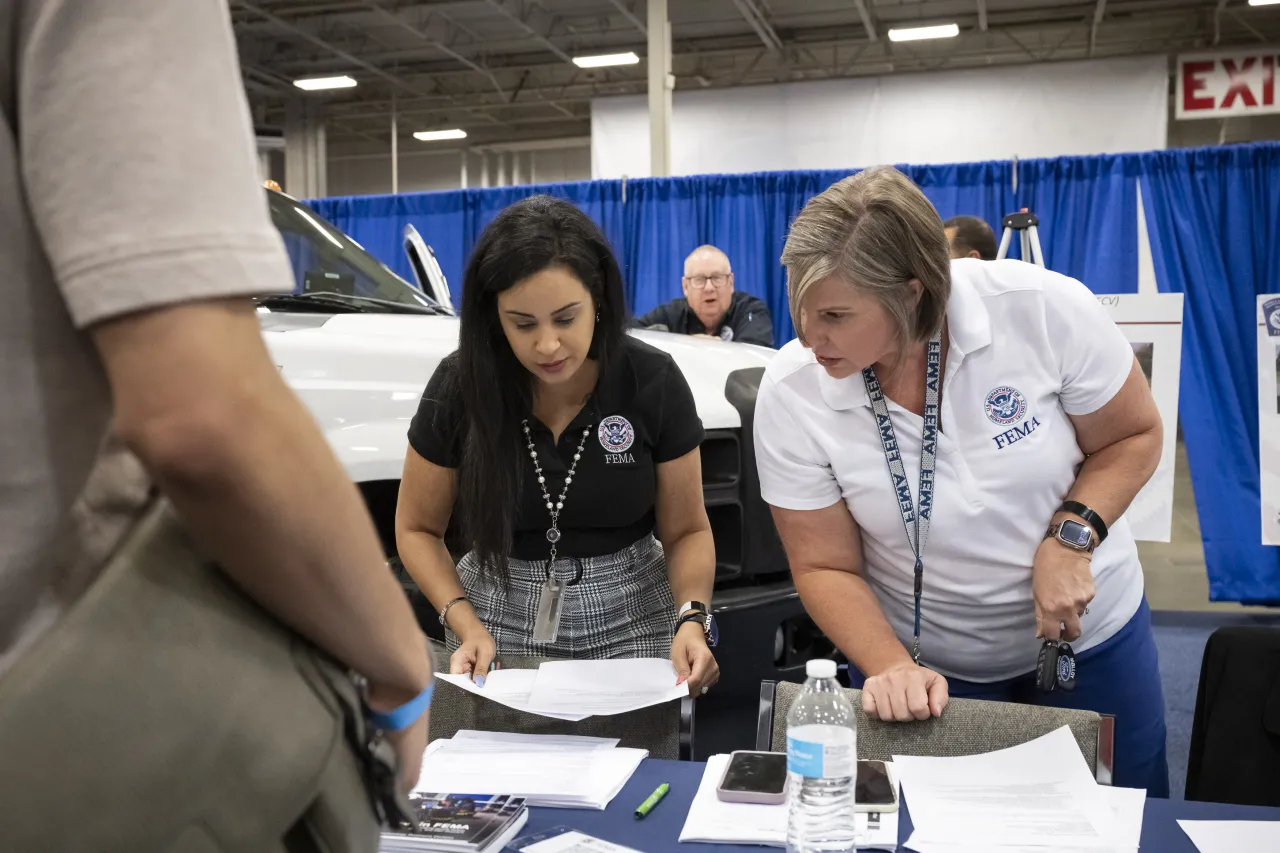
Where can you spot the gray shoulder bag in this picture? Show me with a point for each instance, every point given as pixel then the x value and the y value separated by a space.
pixel 169 712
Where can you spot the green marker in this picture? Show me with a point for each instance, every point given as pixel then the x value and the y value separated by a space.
pixel 654 799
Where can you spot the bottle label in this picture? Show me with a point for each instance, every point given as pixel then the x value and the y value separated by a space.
pixel 820 761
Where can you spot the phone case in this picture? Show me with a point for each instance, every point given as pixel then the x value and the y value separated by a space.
pixel 761 798
pixel 878 808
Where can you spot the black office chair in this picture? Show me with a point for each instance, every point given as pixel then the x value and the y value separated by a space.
pixel 1235 735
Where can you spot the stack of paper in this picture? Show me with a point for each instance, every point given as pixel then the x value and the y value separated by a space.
pixel 713 821
pixel 1037 796
pixel 576 689
pixel 546 770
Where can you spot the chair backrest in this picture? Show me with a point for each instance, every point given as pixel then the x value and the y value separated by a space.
pixel 966 727
pixel 665 730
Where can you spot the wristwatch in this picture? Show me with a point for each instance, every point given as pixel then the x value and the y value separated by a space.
pixel 696 611
pixel 1073 534
pixel 1090 517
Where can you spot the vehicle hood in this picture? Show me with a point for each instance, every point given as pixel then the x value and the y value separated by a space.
pixel 392 356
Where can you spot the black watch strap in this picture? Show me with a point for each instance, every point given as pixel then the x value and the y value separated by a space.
pixel 1090 517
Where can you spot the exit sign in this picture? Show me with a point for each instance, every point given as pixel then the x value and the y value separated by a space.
pixel 1234 83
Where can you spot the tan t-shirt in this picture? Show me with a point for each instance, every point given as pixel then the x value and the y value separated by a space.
pixel 128 181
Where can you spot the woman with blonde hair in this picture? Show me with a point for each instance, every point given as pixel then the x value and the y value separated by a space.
pixel 949 449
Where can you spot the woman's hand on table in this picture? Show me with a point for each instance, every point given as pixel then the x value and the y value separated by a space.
pixel 1062 584
pixel 475 653
pixel 904 692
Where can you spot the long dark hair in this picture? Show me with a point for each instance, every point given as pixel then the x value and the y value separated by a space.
pixel 496 390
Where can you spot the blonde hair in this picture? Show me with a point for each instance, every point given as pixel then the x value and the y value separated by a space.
pixel 876 231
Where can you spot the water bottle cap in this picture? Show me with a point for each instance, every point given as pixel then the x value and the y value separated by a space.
pixel 820 669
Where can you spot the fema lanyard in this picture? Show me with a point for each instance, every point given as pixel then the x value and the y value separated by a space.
pixel 917 523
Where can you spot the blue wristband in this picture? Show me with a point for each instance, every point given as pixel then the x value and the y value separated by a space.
pixel 407 714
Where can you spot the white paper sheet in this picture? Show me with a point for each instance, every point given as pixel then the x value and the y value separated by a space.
pixel 576 842
pixel 1232 836
pixel 509 687
pixel 505 740
pixel 713 821
pixel 1019 796
pixel 571 773
pixel 604 686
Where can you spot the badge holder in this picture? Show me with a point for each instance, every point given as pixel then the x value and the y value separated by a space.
pixel 546 628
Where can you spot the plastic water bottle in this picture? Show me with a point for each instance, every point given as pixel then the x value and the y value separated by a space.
pixel 822 755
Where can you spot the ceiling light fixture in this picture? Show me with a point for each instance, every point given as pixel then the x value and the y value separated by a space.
pixel 606 60
pixel 316 84
pixel 436 135
pixel 942 31
pixel 1263 2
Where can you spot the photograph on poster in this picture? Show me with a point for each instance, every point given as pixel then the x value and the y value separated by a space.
pixel 1144 350
pixel 1269 415
pixel 1152 323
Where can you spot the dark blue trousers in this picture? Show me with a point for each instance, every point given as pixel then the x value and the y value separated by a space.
pixel 1120 677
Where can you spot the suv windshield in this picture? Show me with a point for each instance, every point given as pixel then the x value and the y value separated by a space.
pixel 326 261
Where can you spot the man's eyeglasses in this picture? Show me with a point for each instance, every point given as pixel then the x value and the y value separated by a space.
pixel 698 282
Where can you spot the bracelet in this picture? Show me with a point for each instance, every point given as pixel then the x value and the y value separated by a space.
pixel 407 714
pixel 445 610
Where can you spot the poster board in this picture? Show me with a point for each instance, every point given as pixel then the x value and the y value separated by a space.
pixel 1269 414
pixel 1153 325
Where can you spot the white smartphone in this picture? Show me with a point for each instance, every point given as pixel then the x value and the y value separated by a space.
pixel 754 777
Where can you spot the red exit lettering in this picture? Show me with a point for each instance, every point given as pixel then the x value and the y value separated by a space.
pixel 1250 81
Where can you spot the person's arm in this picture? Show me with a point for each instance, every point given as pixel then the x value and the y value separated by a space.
pixel 824 549
pixel 1117 427
pixel 754 325
pixel 153 248
pixel 199 401
pixel 660 316
pixel 427 493
pixel 685 533
pixel 1122 441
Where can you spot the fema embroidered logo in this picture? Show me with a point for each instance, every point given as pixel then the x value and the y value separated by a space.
pixel 1005 405
pixel 616 434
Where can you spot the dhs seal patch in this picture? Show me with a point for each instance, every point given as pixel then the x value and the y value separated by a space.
pixel 1005 405
pixel 1271 314
pixel 616 434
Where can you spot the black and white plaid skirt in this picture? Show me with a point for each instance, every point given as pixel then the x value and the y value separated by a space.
pixel 620 608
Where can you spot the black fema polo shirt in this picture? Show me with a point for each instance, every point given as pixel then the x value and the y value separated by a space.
pixel 641 414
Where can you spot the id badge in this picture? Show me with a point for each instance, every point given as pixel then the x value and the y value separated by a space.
pixel 546 628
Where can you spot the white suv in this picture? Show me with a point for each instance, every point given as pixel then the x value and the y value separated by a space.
pixel 358 344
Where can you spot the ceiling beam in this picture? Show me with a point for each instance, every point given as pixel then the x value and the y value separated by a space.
pixel 397 19
pixel 324 45
pixel 982 15
pixel 865 14
pixel 621 6
pixel 1098 11
pixel 763 28
pixel 517 18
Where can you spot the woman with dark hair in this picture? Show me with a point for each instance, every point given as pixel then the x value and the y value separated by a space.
pixel 559 446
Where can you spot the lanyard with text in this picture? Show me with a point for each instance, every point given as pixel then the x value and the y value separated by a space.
pixel 916 522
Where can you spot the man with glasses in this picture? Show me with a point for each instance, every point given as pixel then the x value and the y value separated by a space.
pixel 711 308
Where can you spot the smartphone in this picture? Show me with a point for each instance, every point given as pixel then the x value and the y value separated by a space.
pixel 874 791
pixel 754 777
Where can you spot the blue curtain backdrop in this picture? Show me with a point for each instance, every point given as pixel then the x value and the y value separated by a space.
pixel 1213 216
pixel 1213 219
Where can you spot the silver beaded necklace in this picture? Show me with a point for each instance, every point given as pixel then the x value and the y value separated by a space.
pixel 553 532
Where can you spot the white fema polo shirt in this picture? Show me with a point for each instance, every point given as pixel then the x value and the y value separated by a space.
pixel 1028 348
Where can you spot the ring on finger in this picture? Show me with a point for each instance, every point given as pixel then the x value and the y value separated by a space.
pixel 705 688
